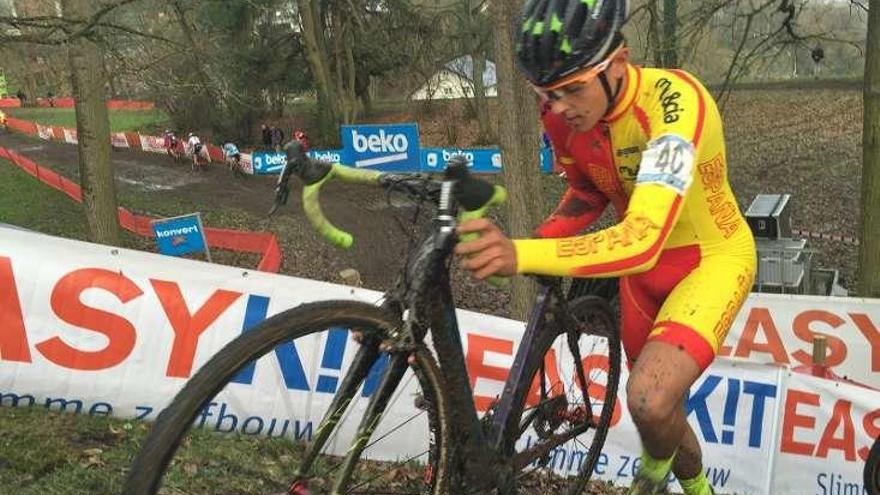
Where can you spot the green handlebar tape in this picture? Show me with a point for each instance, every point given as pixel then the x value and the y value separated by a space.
pixel 498 198
pixel 355 175
pixel 312 207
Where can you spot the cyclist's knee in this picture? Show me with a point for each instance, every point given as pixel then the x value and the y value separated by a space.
pixel 658 383
pixel 650 403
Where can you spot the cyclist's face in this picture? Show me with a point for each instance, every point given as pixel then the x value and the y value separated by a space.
pixel 582 104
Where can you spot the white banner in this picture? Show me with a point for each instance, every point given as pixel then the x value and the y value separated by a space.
pixel 246 164
pixel 826 431
pixel 112 331
pixel 779 329
pixel 152 144
pixel 70 136
pixel 118 140
pixel 45 132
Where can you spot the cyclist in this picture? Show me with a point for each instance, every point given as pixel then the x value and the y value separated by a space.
pixel 650 143
pixel 303 138
pixel 233 158
pixel 170 141
pixel 195 148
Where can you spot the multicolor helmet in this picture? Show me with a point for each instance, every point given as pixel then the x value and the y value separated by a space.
pixel 558 37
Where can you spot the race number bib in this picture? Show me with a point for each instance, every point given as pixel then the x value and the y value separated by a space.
pixel 668 161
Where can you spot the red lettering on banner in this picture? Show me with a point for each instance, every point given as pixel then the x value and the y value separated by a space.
pixel 66 304
pixel 791 420
pixel 840 416
pixel 13 337
pixel 188 327
pixel 552 381
pixel 872 334
pixel 836 347
pixel 596 390
pixel 477 347
pixel 761 318
pixel 872 428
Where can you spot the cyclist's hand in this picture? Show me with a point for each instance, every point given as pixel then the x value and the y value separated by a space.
pixel 492 253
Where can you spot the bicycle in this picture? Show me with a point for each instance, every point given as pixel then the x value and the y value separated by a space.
pixel 234 165
pixel 543 433
pixel 872 470
pixel 199 159
pixel 175 151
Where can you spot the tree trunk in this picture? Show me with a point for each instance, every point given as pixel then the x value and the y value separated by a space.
pixel 519 138
pixel 481 105
pixel 93 133
pixel 316 54
pixel 869 242
pixel 654 41
pixel 670 37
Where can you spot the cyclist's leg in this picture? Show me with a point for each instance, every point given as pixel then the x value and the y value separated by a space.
pixel 691 325
pixel 689 457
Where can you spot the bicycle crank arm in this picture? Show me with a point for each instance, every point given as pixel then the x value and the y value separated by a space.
pixel 523 459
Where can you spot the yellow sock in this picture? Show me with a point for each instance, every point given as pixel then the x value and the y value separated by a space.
pixel 655 469
pixel 698 485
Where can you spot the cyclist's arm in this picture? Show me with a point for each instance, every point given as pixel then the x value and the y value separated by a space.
pixel 580 206
pixel 582 203
pixel 666 172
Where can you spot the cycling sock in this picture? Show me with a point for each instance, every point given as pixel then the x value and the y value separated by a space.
pixel 655 469
pixel 698 485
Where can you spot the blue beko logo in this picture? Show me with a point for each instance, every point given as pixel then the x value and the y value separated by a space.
pixel 268 162
pixel 382 147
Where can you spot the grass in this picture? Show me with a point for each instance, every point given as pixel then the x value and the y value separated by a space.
pixel 148 121
pixel 28 203
pixel 31 204
pixel 46 452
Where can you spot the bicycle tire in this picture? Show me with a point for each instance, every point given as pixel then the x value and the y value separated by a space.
pixel 872 470
pixel 171 426
pixel 581 308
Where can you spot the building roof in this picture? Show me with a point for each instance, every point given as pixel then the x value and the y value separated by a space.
pixel 464 67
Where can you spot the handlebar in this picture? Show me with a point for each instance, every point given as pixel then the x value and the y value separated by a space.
pixel 474 195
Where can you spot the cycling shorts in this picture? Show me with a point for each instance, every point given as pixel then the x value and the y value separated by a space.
pixel 689 299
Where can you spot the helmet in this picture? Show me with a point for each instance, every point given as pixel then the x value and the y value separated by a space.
pixel 168 131
pixel 559 37
pixel 302 138
pixel 191 134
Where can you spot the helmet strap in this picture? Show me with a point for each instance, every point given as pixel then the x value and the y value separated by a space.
pixel 611 96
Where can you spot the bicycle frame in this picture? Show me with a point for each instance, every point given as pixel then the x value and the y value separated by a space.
pixel 424 290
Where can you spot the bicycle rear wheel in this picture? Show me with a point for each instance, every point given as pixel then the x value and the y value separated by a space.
pixel 564 416
pixel 318 336
pixel 872 470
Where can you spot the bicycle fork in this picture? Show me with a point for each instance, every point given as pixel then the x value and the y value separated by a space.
pixel 363 361
pixel 378 403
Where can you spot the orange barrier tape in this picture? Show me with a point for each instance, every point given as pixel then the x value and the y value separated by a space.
pixel 70 103
pixel 264 243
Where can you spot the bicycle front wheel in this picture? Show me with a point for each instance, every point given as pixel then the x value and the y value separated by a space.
pixel 352 402
pixel 559 422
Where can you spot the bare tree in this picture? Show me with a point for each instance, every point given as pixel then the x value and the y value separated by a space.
pixel 670 33
pixel 520 139
pixel 93 131
pixel 869 247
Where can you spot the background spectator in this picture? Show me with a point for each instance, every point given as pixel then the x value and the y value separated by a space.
pixel 277 138
pixel 267 136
